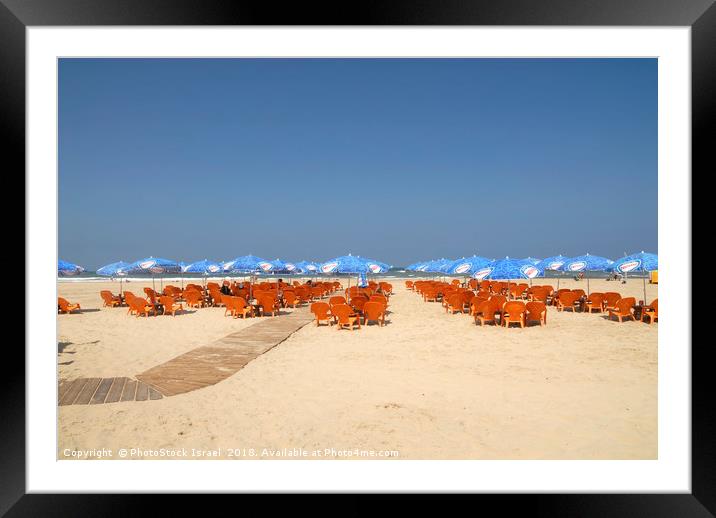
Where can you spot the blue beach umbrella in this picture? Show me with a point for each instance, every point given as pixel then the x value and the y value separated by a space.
pixel 506 269
pixel 352 264
pixel 639 262
pixel 418 267
pixel 66 269
pixel 307 267
pixel 114 270
pixel 532 260
pixel 276 266
pixel 468 265
pixel 375 266
pixel 244 264
pixel 153 266
pixel 437 266
pixel 553 263
pixel 204 267
pixel 586 262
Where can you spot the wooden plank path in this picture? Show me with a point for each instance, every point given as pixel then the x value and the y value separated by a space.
pixel 198 368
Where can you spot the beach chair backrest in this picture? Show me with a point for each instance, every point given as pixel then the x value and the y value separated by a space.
pixel 373 310
pixel 535 310
pixel 514 308
pixel 107 297
pixel 337 299
pixel 320 309
pixel 625 305
pixel 611 298
pixel 499 300
pixel 342 312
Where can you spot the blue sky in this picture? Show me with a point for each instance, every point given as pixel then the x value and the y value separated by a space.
pixel 396 159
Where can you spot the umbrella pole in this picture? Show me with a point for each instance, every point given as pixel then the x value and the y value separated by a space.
pixel 644 279
pixel 587 286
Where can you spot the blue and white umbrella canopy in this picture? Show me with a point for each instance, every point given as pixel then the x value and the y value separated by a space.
pixel 113 269
pixel 307 267
pixel 509 269
pixel 66 269
pixel 351 264
pixel 375 266
pixel 640 262
pixel 586 262
pixel 552 263
pixel 436 266
pixel 276 266
pixel 244 264
pixel 153 265
pixel 468 265
pixel 204 267
pixel 532 260
pixel 418 267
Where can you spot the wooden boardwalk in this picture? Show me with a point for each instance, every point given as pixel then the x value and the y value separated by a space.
pixel 193 370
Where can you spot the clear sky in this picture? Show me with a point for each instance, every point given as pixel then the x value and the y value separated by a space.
pixel 396 159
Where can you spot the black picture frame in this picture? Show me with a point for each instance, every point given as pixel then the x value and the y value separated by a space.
pixel 700 15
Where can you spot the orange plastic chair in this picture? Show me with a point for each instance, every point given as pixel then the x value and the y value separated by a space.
pixel 610 300
pixel 345 317
pixel 63 306
pixel 513 312
pixel 322 311
pixel 109 299
pixel 485 311
pixel 379 298
pixel 595 301
pixel 623 309
pixel 139 306
pixel 536 312
pixel 651 312
pixel 290 299
pixel 169 306
pixel 386 288
pixel 268 305
pixel 454 303
pixel 555 299
pixel 193 298
pixel 430 295
pixel 336 299
pixel 374 311
pixel 409 285
pixel 568 300
pixel 215 294
pixel 357 303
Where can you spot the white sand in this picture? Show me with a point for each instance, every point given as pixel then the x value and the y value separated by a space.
pixel 429 385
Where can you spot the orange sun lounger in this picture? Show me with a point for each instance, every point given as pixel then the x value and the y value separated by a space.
pixel 651 312
pixel 63 306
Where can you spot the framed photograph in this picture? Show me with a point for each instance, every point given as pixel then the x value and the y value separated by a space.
pixel 414 251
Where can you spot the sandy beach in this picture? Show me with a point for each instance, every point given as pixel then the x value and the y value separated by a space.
pixel 428 385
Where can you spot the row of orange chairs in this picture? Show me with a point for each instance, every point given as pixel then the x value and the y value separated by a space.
pixel 349 316
pixel 456 299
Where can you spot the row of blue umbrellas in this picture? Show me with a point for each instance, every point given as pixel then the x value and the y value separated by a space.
pixel 244 264
pixel 528 268
pixel 507 268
